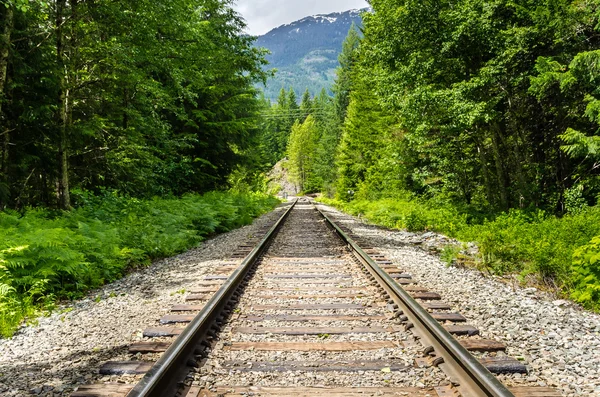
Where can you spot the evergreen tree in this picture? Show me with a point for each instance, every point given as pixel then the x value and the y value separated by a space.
pixel 329 127
pixel 481 96
pixel 282 99
pixel 306 106
pixel 301 154
pixel 143 97
pixel 293 108
pixel 343 81
pixel 363 139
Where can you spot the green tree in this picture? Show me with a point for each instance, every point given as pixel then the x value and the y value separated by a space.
pixel 363 136
pixel 343 80
pixel 147 98
pixel 293 108
pixel 329 127
pixel 458 77
pixel 301 154
pixel 306 105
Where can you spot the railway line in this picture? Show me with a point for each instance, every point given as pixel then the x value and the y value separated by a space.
pixel 306 308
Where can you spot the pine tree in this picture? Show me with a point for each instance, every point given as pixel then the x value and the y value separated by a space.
pixel 293 108
pixel 306 106
pixel 343 82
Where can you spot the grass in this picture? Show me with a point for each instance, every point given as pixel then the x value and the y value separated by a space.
pixel 47 256
pixel 561 251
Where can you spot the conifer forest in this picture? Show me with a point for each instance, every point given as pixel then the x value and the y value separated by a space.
pixel 132 130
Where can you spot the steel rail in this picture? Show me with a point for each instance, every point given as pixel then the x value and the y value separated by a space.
pixel 163 378
pixel 471 377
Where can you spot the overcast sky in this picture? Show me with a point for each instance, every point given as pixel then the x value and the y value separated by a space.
pixel 264 15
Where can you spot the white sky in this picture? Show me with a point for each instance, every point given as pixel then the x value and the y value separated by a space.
pixel 264 15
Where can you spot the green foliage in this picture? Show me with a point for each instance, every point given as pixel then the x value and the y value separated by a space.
pixel 534 243
pixel 277 125
pixel 343 81
pixel 556 250
pixel 449 254
pixel 480 120
pixel 365 132
pixel 586 274
pixel 45 255
pixel 329 127
pixel 578 145
pixel 574 200
pixel 405 212
pixel 301 154
pixel 482 92
pixel 150 99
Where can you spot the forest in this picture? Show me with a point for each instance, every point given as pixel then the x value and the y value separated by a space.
pixel 475 119
pixel 116 120
pixel 133 130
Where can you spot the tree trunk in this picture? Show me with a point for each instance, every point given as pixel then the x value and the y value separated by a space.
pixel 499 166
pixel 64 100
pixel 485 172
pixel 7 27
pixel 524 192
pixel 63 182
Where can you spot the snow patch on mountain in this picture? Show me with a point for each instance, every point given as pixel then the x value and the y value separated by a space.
pixel 322 18
pixel 305 52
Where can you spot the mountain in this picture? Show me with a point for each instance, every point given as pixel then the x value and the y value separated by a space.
pixel 305 52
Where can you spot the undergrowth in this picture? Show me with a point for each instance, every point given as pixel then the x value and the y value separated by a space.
pixel 47 255
pixel 561 251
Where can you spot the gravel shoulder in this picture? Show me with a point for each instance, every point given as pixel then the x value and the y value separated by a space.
pixel 66 349
pixel 559 341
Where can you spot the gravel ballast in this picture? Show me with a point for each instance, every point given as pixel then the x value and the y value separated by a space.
pixel 305 238
pixel 66 349
pixel 559 341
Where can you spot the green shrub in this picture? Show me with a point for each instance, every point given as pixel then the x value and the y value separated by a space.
pixel 47 255
pixel 586 274
pixel 449 254
pixel 525 242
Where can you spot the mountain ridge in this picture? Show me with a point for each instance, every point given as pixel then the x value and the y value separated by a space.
pixel 305 52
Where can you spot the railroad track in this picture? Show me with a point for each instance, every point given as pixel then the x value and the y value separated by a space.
pixel 308 309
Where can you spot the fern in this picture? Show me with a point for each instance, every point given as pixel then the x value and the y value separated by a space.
pixel 586 274
pixel 5 289
pixel 47 255
pixel 578 145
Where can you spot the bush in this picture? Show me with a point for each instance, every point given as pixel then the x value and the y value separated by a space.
pixel 586 274
pixel 403 213
pixel 45 255
pixel 555 250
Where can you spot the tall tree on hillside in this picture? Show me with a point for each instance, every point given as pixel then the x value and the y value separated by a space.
pixel 343 81
pixel 293 105
pixel 306 105
pixel 282 99
pixel 328 124
pixel 363 136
